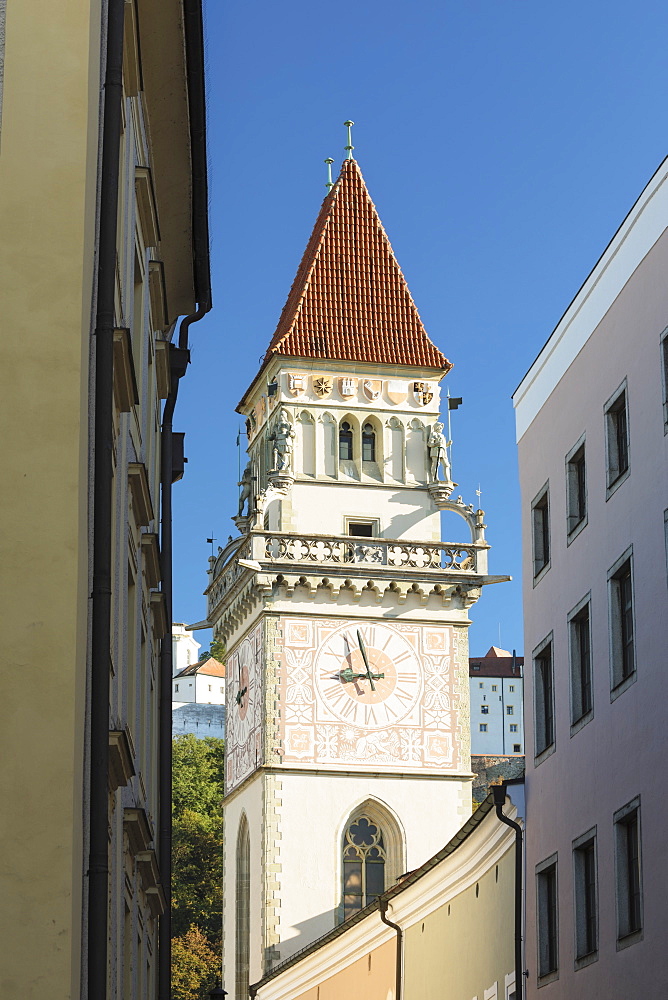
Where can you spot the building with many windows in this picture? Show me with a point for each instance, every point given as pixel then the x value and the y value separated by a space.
pixel 104 248
pixel 497 703
pixel 592 424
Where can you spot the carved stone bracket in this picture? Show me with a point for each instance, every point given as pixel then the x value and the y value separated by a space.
pixel 243 524
pixel 440 492
pixel 281 482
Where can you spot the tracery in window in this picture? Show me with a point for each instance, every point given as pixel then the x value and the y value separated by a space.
pixel 345 442
pixel 364 858
pixel 368 443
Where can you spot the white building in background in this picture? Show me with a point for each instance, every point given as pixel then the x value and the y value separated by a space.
pixel 200 684
pixel 592 431
pixel 185 649
pixel 497 709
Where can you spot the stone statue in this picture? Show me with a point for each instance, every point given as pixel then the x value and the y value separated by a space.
pixel 246 485
pixel 438 454
pixel 282 438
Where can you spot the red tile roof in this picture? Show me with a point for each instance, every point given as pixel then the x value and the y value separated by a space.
pixel 210 667
pixel 349 300
pixel 496 663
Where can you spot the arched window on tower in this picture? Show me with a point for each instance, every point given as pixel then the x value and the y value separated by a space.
pixel 368 443
pixel 364 859
pixel 345 442
pixel 242 912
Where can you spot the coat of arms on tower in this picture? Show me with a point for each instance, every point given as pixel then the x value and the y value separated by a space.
pixel 423 392
pixel 397 391
pixel 322 386
pixel 347 387
pixel 371 388
pixel 296 383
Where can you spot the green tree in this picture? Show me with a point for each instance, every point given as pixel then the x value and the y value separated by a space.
pixel 195 966
pixel 197 863
pixel 197 775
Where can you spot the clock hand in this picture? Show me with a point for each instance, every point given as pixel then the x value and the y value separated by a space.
pixel 240 695
pixel 366 661
pixel 347 675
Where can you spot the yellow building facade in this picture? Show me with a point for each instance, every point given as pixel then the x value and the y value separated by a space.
pixel 104 247
pixel 445 931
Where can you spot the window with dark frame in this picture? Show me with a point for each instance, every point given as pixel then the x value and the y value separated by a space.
pixel 629 889
pixel 368 443
pixel 345 442
pixel 540 516
pixel 622 631
pixel 360 529
pixel 576 489
pixel 548 941
pixel 544 698
pixel 364 858
pixel 617 435
pixel 580 643
pixel 664 368
pixel 586 906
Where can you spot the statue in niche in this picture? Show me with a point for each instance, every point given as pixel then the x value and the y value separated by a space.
pixel 282 449
pixel 246 485
pixel 437 447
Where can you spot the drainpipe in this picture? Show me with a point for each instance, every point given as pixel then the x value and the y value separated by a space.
pixel 400 938
pixel 179 357
pixel 499 792
pixel 98 860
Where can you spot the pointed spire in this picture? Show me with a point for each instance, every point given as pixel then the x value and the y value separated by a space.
pixel 349 300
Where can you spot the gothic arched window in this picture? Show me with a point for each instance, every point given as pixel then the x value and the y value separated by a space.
pixel 368 443
pixel 345 442
pixel 364 857
pixel 242 912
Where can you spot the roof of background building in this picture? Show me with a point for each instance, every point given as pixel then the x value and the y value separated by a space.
pixel 495 663
pixel 349 300
pixel 210 667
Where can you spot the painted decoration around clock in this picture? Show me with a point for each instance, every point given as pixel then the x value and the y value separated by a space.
pixel 243 737
pixel 331 714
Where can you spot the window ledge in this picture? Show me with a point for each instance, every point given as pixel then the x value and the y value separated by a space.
pixel 623 686
pixel 585 960
pixel 581 722
pixel 550 977
pixel 544 754
pixel 574 532
pixel 541 573
pixel 629 939
pixel 616 483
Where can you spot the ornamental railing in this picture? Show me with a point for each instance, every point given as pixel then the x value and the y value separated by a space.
pixel 344 550
pixel 268 551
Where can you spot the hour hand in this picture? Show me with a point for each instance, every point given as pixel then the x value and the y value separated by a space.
pixel 240 694
pixel 347 675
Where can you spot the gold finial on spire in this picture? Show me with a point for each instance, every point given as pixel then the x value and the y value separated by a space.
pixel 350 146
pixel 330 183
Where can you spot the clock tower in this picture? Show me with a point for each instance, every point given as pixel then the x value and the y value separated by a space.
pixel 344 613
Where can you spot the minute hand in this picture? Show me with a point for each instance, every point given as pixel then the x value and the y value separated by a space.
pixel 366 661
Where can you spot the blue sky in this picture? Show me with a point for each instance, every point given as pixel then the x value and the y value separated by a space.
pixel 502 141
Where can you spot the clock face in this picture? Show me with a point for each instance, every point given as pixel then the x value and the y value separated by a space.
pixel 372 683
pixel 244 694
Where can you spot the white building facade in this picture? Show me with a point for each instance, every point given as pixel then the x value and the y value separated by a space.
pixel 345 616
pixel 497 703
pixel 592 417
pixel 185 648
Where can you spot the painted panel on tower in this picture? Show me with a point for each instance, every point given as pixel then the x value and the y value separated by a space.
pixel 390 701
pixel 243 745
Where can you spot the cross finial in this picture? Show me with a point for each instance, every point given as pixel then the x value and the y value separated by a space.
pixel 478 493
pixel 330 183
pixel 350 146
